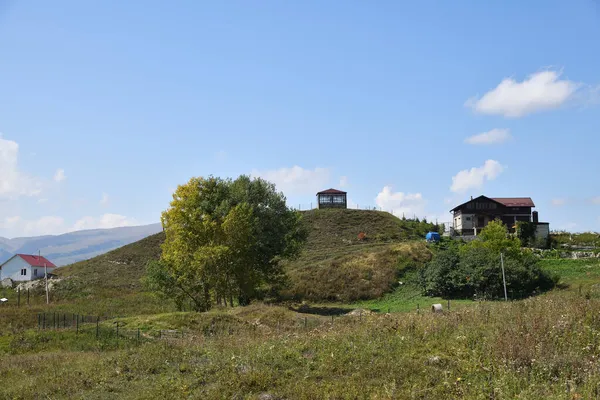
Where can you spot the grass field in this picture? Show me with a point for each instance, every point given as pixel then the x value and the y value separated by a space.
pixel 547 347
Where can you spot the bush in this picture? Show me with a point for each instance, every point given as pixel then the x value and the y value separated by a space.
pixel 474 269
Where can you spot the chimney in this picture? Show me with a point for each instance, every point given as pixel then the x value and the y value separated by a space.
pixel 471 197
pixel 535 217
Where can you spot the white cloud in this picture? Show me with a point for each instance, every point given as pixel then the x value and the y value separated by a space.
pixel 16 226
pixel 296 180
pixel 44 226
pixel 13 182
pixel 106 221
pixel 59 176
pixel 475 177
pixel 400 203
pixel 495 136
pixel 104 200
pixel 540 91
pixel 559 202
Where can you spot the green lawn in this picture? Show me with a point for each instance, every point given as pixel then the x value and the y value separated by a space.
pixel 573 273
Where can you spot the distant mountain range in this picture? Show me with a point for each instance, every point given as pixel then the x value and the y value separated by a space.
pixel 76 246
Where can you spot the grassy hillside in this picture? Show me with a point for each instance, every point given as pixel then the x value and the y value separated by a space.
pixel 336 266
pixel 110 283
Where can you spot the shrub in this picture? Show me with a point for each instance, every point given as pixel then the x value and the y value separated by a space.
pixel 474 269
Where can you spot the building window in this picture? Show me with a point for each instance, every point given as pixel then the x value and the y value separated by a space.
pixel 467 218
pixel 35 272
pixel 24 272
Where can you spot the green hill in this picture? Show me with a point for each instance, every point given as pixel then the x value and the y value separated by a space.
pixel 335 265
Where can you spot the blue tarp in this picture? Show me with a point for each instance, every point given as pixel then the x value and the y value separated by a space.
pixel 432 237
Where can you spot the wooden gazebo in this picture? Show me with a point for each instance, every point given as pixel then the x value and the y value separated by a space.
pixel 332 198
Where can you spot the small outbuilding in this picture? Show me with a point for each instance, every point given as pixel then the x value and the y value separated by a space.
pixel 332 198
pixel 25 267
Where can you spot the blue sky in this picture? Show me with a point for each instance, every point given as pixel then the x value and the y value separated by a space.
pixel 106 106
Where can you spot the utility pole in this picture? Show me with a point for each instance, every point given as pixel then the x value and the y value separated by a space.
pixel 503 276
pixel 45 276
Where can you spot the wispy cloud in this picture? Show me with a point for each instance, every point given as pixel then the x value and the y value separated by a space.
pixel 60 176
pixel 540 91
pixel 106 221
pixel 343 181
pixel 476 176
pixel 495 136
pixel 104 200
pixel 13 182
pixel 296 180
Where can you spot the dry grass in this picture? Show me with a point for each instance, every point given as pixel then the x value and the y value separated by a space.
pixel 540 348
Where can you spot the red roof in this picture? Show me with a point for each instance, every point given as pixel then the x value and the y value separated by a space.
pixel 36 261
pixel 514 201
pixel 331 191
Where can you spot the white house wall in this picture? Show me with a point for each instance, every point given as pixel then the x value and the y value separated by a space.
pixel 12 270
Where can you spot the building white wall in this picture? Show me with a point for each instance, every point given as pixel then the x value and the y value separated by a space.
pixel 463 221
pixel 12 270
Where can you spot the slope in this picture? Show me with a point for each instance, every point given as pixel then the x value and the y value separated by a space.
pixel 334 264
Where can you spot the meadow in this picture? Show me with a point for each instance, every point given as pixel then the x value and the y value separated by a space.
pixel 543 347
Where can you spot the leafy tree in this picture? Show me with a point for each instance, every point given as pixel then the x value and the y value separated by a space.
pixel 495 237
pixel 225 240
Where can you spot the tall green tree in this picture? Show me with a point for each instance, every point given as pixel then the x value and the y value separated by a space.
pixel 225 240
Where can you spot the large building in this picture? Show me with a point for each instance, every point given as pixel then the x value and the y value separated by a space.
pixel 472 216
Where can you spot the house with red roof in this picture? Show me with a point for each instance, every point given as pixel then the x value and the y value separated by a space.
pixel 25 267
pixel 472 216
pixel 332 198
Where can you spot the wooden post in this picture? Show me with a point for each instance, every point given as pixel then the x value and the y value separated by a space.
pixel 97 327
pixel 54 320
pixel 19 297
pixel 331 319
pixel 39 320
pixel 138 335
pixel 77 323
pixel 160 333
pixel 28 296
pixel 448 304
pixel 305 322
pixel 117 329
pixel 44 321
pixel 64 320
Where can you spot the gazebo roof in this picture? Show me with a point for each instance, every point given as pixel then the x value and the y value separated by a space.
pixel 331 191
